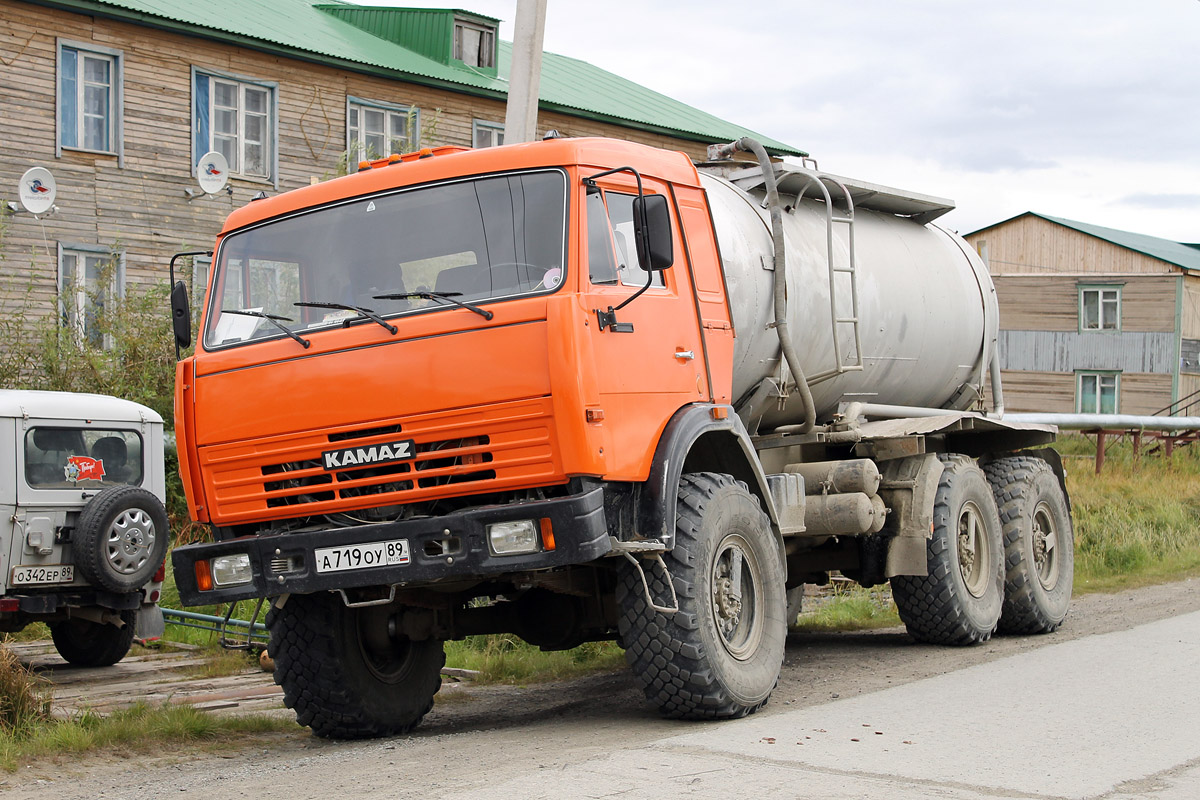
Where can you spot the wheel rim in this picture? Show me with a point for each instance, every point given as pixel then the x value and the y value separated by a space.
pixel 1045 546
pixel 737 601
pixel 974 556
pixel 130 541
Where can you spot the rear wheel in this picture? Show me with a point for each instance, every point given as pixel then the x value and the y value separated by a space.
pixel 120 540
pixel 1039 547
pixel 720 654
pixel 344 675
pixel 959 601
pixel 93 644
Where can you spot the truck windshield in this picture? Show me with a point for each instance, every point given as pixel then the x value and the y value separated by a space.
pixel 472 240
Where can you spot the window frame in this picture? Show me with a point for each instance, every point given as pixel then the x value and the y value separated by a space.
pixel 1099 375
pixel 412 132
pixel 81 294
pixel 202 144
pixel 116 98
pixel 494 128
pixel 487 34
pixel 1100 289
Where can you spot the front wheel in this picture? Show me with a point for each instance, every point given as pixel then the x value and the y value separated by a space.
pixel 344 675
pixel 959 601
pixel 720 654
pixel 93 644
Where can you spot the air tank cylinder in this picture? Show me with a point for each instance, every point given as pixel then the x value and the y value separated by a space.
pixel 927 308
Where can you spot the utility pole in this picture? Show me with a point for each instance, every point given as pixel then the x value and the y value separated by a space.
pixel 520 118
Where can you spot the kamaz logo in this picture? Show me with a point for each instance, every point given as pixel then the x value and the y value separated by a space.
pixel 375 454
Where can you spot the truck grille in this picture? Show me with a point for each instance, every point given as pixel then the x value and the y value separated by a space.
pixel 458 454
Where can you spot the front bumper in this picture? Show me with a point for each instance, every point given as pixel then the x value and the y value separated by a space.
pixel 284 563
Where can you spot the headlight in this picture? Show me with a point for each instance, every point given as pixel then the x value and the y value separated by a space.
pixel 513 538
pixel 232 570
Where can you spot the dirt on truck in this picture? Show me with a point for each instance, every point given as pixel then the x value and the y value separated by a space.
pixel 584 389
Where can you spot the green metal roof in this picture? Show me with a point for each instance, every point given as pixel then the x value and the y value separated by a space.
pixel 1180 254
pixel 369 40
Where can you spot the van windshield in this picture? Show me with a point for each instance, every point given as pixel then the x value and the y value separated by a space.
pixel 472 241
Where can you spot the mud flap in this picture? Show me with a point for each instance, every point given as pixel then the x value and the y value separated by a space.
pixel 909 486
pixel 149 625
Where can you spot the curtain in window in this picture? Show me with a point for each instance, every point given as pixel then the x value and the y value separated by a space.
pixel 67 102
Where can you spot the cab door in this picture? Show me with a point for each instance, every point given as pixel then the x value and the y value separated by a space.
pixel 650 362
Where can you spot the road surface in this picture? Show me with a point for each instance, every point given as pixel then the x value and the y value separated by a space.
pixel 1109 707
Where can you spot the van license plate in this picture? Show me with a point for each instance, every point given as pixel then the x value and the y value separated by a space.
pixel 362 556
pixel 46 573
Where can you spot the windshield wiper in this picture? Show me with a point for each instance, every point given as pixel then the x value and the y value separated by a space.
pixel 447 296
pixel 366 312
pixel 271 318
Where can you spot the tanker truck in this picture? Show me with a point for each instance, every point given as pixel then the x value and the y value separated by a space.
pixel 585 389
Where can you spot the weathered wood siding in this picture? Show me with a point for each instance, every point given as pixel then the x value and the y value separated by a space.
pixel 1054 392
pixel 141 209
pixel 1032 245
pixel 1051 302
pixel 1190 317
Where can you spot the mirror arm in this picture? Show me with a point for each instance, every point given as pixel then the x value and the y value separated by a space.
pixel 174 258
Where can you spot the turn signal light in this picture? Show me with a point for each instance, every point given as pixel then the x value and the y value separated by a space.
pixel 204 581
pixel 547 533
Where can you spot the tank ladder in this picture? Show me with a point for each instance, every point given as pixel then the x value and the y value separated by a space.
pixel 809 179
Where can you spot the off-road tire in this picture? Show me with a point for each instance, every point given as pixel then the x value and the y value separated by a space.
pixel 1033 512
pixel 333 683
pixel 689 664
pixel 959 601
pixel 120 539
pixel 93 644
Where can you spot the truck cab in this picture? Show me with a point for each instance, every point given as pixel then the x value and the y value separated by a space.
pixel 83 529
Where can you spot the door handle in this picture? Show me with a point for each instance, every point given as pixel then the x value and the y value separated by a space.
pixel 686 355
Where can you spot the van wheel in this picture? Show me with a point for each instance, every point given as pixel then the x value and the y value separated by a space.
pixel 93 644
pixel 120 539
pixel 720 654
pixel 1039 546
pixel 344 675
pixel 959 601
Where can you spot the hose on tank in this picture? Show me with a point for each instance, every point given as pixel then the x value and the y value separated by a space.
pixel 749 145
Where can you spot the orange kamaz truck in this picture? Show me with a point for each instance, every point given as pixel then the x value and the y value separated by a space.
pixel 584 389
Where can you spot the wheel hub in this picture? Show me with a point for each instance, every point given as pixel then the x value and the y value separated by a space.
pixel 130 540
pixel 973 557
pixel 1045 539
pixel 737 603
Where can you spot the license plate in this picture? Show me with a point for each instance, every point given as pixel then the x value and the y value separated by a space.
pixel 47 573
pixel 362 556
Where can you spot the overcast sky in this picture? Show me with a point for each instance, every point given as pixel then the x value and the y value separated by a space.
pixel 1084 109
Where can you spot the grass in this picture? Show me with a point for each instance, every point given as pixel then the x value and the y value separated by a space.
pixel 140 729
pixel 500 658
pixel 849 608
pixel 1136 523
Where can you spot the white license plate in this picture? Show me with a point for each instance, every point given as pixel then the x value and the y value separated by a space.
pixel 47 573
pixel 362 556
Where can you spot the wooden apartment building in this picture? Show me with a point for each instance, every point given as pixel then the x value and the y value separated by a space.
pixel 120 98
pixel 1092 319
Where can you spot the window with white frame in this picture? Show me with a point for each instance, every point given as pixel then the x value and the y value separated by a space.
pixel 487 134
pixel 1099 308
pixel 90 279
pixel 89 97
pixel 1097 392
pixel 378 130
pixel 474 44
pixel 235 117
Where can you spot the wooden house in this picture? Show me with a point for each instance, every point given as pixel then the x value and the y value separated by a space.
pixel 120 98
pixel 1092 319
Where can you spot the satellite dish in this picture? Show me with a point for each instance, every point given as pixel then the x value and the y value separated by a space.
pixel 212 172
pixel 37 190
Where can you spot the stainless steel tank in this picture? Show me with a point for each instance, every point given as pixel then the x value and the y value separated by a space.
pixel 927 311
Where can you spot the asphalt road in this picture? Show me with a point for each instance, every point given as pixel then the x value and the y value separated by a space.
pixel 1107 708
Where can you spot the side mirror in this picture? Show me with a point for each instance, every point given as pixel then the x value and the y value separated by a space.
pixel 652 232
pixel 181 315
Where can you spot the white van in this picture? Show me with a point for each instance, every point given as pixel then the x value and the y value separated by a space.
pixel 83 525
